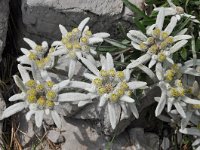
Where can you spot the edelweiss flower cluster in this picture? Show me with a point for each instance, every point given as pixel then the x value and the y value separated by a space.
pixel 112 87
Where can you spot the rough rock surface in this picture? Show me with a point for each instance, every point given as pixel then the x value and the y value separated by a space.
pixel 41 18
pixel 4 13
pixel 91 112
pixel 80 134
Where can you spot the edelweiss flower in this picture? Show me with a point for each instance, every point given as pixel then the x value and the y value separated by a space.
pixel 192 109
pixel 112 87
pixel 177 11
pixel 174 92
pixel 78 43
pixel 41 97
pixel 40 55
pixel 159 45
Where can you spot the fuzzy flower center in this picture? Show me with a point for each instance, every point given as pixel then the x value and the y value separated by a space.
pixel 173 72
pixel 113 83
pixel 76 41
pixel 157 42
pixel 41 59
pixel 42 94
pixel 178 90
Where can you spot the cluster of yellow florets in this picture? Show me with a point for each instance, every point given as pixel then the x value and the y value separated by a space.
pixel 75 41
pixel 41 94
pixel 112 82
pixel 157 42
pixel 171 73
pixel 39 59
pixel 178 90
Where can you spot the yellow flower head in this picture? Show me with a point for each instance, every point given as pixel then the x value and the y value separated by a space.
pixel 41 101
pixel 143 46
pixel 88 33
pixel 50 84
pixel 161 57
pixel 124 85
pixel 103 73
pixel 97 81
pixel 101 90
pixel 50 104
pixel 32 56
pixel 31 92
pixel 120 74
pixel 164 35
pixel 150 40
pixel 38 48
pixel 156 32
pixel 113 98
pixel 51 95
pixel 31 83
pixel 84 40
pixel 112 72
pixel 40 87
pixel 31 98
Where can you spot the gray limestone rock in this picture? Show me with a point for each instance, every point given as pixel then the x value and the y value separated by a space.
pixel 41 18
pixel 4 14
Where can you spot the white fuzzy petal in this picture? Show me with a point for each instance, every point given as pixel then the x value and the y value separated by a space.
pixel 83 103
pixel 180 109
pixel 112 114
pixel 136 46
pixel 160 19
pixel 161 103
pixel 58 87
pixel 82 85
pixel 185 121
pixel 19 83
pixel 24 60
pixel 152 63
pixel 83 23
pixel 171 25
pixel 89 76
pixel 190 101
pixel 25 51
pixel 90 66
pixel 148 71
pixel 101 35
pixel 138 34
pixel 159 71
pixel 56 118
pixel 20 96
pixel 103 100
pixel 190 131
pixel 134 110
pixel 57 43
pixel 67 97
pixel 178 46
pixel 31 43
pixel 136 84
pixel 95 40
pixel 29 114
pixel 182 32
pixel 72 68
pixel 139 61
pixel 182 37
pixel 59 52
pixel 13 109
pixel 127 99
pixel 24 74
pixel 63 30
pixel 39 117
pixel 109 60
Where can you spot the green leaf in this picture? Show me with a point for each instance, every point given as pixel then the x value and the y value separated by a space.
pixel 135 9
pixel 108 49
pixel 139 25
pixel 115 43
pixel 183 53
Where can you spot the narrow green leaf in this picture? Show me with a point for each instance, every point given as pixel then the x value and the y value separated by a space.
pixel 183 53
pixel 135 9
pixel 139 25
pixel 114 43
